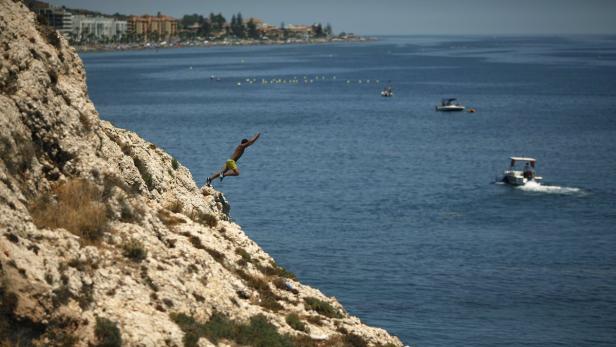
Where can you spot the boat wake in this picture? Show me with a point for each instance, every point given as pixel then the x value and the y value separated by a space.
pixel 539 188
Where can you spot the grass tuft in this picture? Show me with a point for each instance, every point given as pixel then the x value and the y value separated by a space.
pixel 175 206
pixel 75 205
pixel 321 307
pixel 204 218
pixel 245 256
pixel 107 333
pixel 294 322
pixel 257 332
pixel 218 256
pixel 196 242
pixel 268 300
pixel 276 270
pixel 174 164
pixel 282 284
pixel 134 250
pixel 168 219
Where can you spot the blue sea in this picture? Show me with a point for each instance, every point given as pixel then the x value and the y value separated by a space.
pixel 390 206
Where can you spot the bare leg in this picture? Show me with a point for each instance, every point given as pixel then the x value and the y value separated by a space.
pixel 232 172
pixel 216 175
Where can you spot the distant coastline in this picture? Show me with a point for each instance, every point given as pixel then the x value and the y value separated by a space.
pixel 135 46
pixel 90 31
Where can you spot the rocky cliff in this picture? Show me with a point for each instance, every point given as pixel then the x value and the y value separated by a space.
pixel 106 240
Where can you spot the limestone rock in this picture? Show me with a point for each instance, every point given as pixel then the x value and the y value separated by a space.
pixel 101 236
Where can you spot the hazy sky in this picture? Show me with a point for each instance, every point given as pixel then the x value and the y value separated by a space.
pixel 395 16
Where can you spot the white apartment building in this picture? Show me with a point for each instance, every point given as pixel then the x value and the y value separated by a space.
pixel 97 28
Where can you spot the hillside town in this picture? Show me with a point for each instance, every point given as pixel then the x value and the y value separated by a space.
pixel 88 30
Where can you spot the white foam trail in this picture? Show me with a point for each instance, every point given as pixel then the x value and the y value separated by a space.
pixel 539 188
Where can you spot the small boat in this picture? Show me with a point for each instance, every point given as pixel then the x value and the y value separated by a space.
pixel 387 92
pixel 515 177
pixel 448 105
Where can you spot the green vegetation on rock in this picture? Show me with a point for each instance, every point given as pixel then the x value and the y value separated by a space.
pixel 322 307
pixel 258 332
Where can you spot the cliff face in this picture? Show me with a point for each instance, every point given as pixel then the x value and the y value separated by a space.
pixel 105 238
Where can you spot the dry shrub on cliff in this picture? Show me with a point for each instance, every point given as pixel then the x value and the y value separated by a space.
pixel 316 320
pixel 352 340
pixel 196 242
pixel 168 219
pixel 245 256
pixel 204 218
pixel 282 284
pixel 134 250
pixel 175 206
pixel 276 270
pixel 75 205
pixel 268 299
pixel 107 333
pixel 218 256
pixel 294 322
pixel 257 332
pixel 321 307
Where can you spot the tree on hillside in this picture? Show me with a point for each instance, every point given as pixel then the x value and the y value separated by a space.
pixel 206 28
pixel 119 16
pixel 328 30
pixel 190 19
pixel 237 26
pixel 217 21
pixel 317 30
pixel 251 28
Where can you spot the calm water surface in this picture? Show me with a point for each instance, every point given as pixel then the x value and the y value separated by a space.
pixel 387 204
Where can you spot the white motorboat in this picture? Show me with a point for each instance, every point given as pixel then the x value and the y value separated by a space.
pixel 515 177
pixel 448 105
pixel 387 92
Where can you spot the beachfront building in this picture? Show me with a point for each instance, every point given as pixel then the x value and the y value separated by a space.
pixel 300 31
pixel 267 31
pixel 291 31
pixel 98 28
pixel 153 28
pixel 56 17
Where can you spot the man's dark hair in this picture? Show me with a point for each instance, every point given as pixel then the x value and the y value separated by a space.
pixel 244 141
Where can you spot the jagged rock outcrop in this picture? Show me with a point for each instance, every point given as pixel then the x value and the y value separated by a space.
pixel 105 238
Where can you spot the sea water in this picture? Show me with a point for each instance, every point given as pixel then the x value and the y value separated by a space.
pixel 390 206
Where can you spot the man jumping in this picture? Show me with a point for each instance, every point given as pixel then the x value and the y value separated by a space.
pixel 230 167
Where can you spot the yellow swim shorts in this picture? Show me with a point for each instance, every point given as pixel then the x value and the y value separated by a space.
pixel 231 164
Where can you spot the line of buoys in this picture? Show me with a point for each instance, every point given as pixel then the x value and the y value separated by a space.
pixel 295 80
